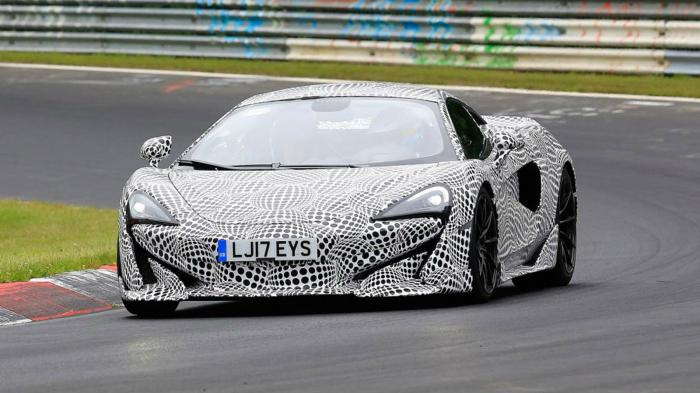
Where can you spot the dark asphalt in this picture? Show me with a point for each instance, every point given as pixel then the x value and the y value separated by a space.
pixel 629 322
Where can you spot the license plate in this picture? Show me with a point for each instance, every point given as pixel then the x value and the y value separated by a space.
pixel 276 249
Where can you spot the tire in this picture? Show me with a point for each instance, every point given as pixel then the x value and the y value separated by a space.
pixel 119 261
pixel 143 308
pixel 565 219
pixel 483 249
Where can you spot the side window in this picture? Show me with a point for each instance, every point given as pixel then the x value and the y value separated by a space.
pixel 468 132
pixel 475 115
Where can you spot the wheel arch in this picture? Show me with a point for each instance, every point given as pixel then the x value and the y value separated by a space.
pixel 569 168
pixel 488 188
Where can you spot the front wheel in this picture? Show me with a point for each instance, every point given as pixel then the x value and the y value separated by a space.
pixel 483 248
pixel 145 308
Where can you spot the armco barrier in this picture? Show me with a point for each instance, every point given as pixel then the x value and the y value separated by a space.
pixel 391 52
pixel 682 62
pixel 480 56
pixel 554 32
pixel 658 9
pixel 559 36
pixel 231 47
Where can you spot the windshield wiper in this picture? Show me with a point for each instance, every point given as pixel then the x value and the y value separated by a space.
pixel 315 166
pixel 197 164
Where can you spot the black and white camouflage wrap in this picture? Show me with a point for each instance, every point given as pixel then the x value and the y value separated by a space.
pixel 155 149
pixel 335 206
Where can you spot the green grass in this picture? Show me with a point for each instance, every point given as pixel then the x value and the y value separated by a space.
pixel 38 239
pixel 678 85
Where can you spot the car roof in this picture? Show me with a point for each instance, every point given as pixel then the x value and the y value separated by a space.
pixel 350 89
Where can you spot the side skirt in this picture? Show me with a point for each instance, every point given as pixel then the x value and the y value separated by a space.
pixel 538 256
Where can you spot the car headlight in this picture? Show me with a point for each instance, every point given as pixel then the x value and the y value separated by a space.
pixel 145 210
pixel 431 201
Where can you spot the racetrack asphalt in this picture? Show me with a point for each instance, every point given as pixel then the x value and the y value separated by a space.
pixel 629 322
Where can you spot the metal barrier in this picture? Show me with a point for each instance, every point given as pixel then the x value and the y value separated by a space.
pixel 418 32
pixel 659 9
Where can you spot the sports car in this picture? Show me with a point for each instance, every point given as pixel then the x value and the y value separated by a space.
pixel 364 189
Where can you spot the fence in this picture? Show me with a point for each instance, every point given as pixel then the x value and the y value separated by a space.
pixel 629 37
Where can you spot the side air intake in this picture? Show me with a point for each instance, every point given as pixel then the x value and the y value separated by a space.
pixel 529 186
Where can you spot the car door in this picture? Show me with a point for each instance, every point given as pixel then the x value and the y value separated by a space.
pixel 518 189
pixel 518 202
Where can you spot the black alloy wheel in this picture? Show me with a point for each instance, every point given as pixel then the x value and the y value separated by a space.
pixel 566 219
pixel 483 248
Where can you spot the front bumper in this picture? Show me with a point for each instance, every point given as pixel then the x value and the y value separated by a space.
pixel 375 259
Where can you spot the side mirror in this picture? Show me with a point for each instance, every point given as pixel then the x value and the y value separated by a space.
pixel 154 149
pixel 506 140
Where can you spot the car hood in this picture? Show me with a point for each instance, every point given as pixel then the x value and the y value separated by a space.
pixel 295 196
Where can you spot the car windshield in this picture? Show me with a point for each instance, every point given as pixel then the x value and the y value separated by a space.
pixel 327 131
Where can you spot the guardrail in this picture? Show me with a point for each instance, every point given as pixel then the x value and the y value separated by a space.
pixel 660 9
pixel 407 32
pixel 555 32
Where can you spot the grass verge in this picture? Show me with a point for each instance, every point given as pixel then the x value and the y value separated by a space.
pixel 656 85
pixel 38 239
